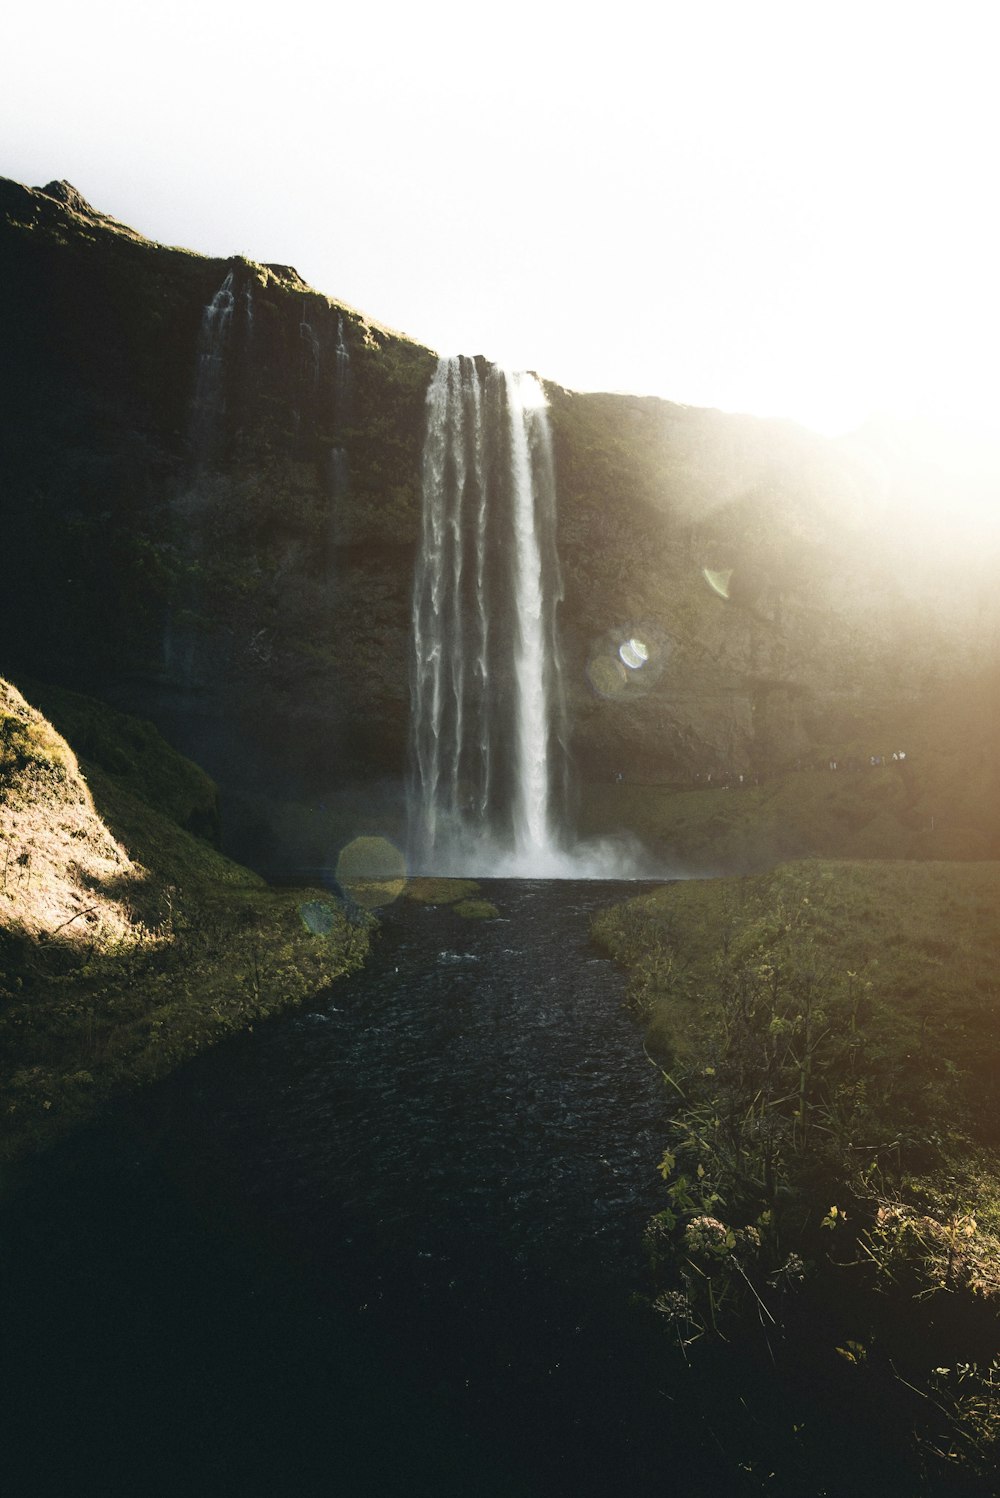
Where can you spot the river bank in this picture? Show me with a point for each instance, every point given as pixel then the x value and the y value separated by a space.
pixel 829 1036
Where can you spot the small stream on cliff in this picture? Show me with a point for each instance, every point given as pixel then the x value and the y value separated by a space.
pixel 387 1245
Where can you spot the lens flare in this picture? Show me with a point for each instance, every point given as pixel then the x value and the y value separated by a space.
pixel 634 653
pixel 372 871
pixel 607 675
pixel 718 581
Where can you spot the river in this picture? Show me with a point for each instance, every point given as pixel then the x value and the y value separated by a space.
pixel 382 1245
pixel 387 1245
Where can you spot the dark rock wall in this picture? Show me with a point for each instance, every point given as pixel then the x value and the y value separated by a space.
pixel 242 578
pixel 782 615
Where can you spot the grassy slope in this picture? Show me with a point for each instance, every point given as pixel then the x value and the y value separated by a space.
pixel 831 1036
pixel 919 940
pixel 127 943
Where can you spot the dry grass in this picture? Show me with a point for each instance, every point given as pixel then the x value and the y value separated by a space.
pixel 63 877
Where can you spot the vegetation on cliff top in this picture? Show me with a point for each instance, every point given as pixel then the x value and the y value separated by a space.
pixel 831 1039
pixel 126 942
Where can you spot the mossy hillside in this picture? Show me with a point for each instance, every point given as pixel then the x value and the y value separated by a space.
pixel 126 943
pixel 135 754
pixel 830 1037
pixel 27 740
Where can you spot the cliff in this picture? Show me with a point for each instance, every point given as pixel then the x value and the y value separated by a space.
pixel 211 479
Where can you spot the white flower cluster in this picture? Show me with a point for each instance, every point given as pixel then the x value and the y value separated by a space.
pixel 707 1237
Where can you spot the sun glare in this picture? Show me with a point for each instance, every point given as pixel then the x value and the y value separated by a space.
pixel 756 210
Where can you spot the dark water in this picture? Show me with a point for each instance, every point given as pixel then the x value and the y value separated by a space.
pixel 383 1246
pixel 387 1246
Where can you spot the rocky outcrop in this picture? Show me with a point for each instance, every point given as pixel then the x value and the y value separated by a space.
pixel 212 498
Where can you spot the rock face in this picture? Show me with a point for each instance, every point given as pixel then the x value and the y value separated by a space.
pixel 218 537
pixel 211 481
pixel 65 193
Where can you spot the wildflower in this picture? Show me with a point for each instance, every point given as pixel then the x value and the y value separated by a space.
pixel 674 1305
pixel 748 1239
pixel 791 1273
pixel 708 1237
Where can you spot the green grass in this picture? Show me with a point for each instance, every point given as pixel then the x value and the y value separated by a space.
pixel 923 936
pixel 829 1035
pixel 476 910
pixel 134 754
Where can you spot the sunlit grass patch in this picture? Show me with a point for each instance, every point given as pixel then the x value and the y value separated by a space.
pixel 371 871
pixel 431 891
pixel 476 910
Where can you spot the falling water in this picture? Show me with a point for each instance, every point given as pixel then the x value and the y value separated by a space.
pixel 487 718
pixel 531 807
pixel 210 390
pixel 341 375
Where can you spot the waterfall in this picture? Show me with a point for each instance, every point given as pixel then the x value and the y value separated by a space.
pixel 487 739
pixel 210 372
pixel 341 376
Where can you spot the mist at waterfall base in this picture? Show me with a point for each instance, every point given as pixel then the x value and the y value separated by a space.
pixel 614 857
pixel 490 790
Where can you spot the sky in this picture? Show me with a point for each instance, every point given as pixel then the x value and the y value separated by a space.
pixel 781 208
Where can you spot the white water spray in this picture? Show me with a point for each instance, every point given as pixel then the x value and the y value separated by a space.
pixel 486 686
